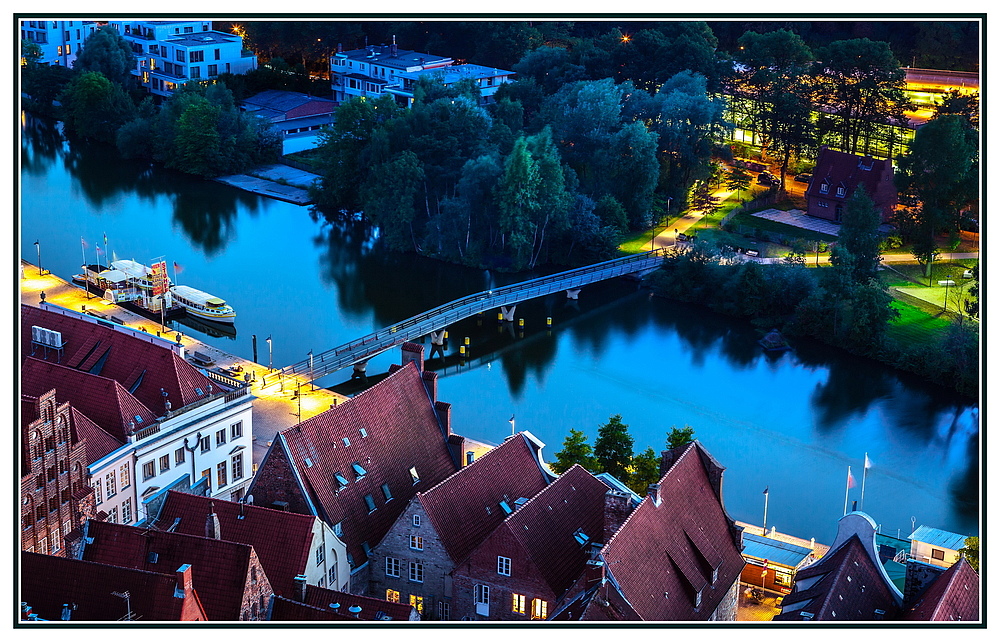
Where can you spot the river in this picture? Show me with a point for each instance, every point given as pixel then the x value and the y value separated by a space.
pixel 792 422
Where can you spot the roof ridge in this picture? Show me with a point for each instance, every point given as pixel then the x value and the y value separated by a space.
pixel 489 454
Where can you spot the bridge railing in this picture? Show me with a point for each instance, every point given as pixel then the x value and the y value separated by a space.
pixel 422 324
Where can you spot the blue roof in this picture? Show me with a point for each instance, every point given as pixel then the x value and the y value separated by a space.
pixel 938 537
pixel 774 550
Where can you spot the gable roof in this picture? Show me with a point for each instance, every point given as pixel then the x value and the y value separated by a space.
pixel 835 169
pixel 844 585
pixel 131 361
pixel 952 596
pixel 219 568
pixel 938 537
pixel 372 609
pixel 688 533
pixel 104 401
pixel 90 588
pixel 97 442
pixel 387 431
pixel 282 540
pixel 465 508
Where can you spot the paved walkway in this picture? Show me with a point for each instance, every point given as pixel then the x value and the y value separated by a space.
pixel 278 181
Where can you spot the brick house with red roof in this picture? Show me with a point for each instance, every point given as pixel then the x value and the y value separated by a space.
pixel 56 497
pixel 848 584
pixel 358 464
pixel 676 558
pixel 95 592
pixel 413 563
pixel 526 566
pixel 839 174
pixel 228 576
pixel 157 421
pixel 952 597
pixel 310 602
pixel 290 546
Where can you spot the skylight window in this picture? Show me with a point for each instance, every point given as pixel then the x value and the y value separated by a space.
pixel 506 507
pixel 581 537
pixel 138 419
pixel 370 502
pixel 359 470
pixel 414 475
pixel 341 480
pixel 347 442
pixel 364 433
pixel 199 391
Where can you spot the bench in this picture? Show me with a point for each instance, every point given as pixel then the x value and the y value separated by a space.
pixel 202 359
pixel 753 253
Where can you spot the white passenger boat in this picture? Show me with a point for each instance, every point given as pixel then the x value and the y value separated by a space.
pixel 202 304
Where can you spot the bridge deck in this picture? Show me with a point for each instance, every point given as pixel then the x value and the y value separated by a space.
pixel 440 317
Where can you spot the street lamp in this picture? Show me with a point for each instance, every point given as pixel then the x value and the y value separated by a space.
pixel 946 284
pixel 39 248
pixel 270 355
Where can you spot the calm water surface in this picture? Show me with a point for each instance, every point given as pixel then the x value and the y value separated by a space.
pixel 792 422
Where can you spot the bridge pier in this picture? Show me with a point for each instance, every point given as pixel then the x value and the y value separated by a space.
pixel 573 294
pixel 437 343
pixel 360 369
pixel 508 313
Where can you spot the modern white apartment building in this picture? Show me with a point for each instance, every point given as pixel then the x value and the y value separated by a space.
pixel 171 53
pixel 60 40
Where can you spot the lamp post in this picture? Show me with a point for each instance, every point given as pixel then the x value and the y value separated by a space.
pixel 270 355
pixel 946 284
pixel 39 249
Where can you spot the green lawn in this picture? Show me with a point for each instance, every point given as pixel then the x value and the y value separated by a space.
pixel 915 326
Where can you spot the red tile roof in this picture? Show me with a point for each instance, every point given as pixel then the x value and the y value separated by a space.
pixel 400 432
pixel 89 587
pixel 282 540
pixel 842 169
pixel 844 585
pixel 953 596
pixel 688 534
pixel 372 608
pixel 465 508
pixel 286 610
pixel 128 358
pixel 104 401
pixel 97 442
pixel 220 569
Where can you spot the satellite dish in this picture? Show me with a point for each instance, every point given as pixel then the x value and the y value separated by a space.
pixel 249 499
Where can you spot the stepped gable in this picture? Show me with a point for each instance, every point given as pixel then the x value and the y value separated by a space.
pixel 465 508
pixel 104 401
pixel 372 608
pixel 282 540
pixel 952 596
pixel 545 526
pixel 220 569
pixel 843 585
pixel 686 529
pixel 88 587
pixel 129 360
pixel 388 430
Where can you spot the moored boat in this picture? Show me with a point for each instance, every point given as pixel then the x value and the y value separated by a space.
pixel 202 304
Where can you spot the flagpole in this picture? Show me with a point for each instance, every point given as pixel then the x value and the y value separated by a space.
pixel 86 278
pixel 765 511
pixel 864 476
pixel 848 489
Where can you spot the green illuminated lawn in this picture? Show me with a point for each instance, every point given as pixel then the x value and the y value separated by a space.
pixel 915 326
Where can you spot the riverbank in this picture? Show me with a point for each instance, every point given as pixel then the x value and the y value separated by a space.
pixel 278 181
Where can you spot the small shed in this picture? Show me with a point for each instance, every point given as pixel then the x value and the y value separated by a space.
pixel 772 563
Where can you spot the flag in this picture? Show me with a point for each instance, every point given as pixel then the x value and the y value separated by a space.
pixel 83 242
pixel 177 268
pixel 868 462
pixel 99 250
pixel 765 489
pixel 850 479
pixel 511 420
pixel 105 238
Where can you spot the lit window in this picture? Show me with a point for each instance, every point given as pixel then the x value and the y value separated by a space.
pixel 392 567
pixel 220 473
pixel 824 188
pixel 503 565
pixel 391 596
pixel 416 572
pixel 416 542
pixel 841 191
pixel 414 475
pixel 539 609
pixel 417 602
pixel 517 603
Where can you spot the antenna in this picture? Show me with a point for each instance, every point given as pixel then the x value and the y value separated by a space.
pixel 125 595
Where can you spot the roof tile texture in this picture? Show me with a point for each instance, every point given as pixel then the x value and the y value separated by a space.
pixel 953 596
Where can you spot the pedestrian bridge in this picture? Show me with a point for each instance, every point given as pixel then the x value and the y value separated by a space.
pixel 435 320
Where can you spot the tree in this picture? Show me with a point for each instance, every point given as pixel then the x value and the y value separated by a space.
pixel 575 450
pixel 645 471
pixel 859 237
pixel 94 107
pixel 739 180
pixel 613 448
pixel 197 145
pixel 107 52
pixel 972 302
pixel 703 200
pixel 971 551
pixel 31 53
pixel 679 436
pixel 389 194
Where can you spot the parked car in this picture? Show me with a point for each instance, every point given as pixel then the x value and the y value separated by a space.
pixel 803 178
pixel 767 178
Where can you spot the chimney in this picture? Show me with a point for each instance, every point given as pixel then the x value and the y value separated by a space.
pixel 616 510
pixel 393 49
pixel 184 583
pixel 355 611
pixel 654 493
pixel 444 416
pixel 212 528
pixel 413 352
pixel 66 613
pixel 300 588
pixel 340 47
pixel 431 384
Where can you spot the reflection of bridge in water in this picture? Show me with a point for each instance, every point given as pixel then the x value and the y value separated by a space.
pixel 434 321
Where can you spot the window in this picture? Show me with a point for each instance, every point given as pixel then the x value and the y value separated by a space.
pixel 386 492
pixel 181 55
pixel 148 470
pixel 197 56
pixel 127 511
pixel 332 576
pixel 237 466
pixel 207 475
pixel 218 54
pixel 56 540
pixel 392 567
pixel 124 475
pixel 220 437
pixel 417 602
pixel 937 554
pixel 444 610
pixel 841 191
pixel 413 475
pixel 43 546
pixel 206 444
pixel 164 463
pixel 359 471
pixel 416 542
pixel 220 474
pixel 341 480
pixel 539 609
pixel 370 503
pixel 503 565
pixel 517 603
pixel 481 594
pixel 320 555
pixel 113 515
pixel 98 497
pixel 196 72
pixel 213 70
pixel 391 596
pixel 179 456
pixel 416 572
pixel 824 188
pixel 416 520
pixel 823 204
pixel 236 430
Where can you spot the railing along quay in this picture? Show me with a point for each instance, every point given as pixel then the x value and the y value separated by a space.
pixel 365 347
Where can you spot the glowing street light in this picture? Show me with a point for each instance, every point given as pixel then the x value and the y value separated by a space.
pixel 39 248
pixel 270 355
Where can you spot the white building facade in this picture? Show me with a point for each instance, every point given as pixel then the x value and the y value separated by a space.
pixel 59 40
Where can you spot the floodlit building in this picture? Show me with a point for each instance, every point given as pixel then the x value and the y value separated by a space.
pixel 59 40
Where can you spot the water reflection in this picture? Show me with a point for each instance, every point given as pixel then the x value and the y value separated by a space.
pixel 42 141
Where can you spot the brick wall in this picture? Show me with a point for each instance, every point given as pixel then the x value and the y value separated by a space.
pixel 726 611
pixel 256 591
pixel 275 481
